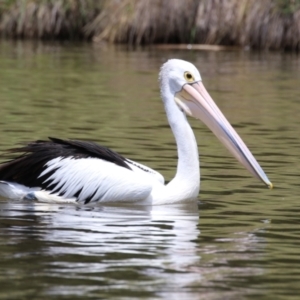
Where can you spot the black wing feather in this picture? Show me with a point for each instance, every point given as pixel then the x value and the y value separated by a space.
pixel 29 161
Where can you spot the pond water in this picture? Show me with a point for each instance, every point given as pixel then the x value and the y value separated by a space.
pixel 240 241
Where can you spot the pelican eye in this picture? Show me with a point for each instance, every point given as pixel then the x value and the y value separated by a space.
pixel 189 77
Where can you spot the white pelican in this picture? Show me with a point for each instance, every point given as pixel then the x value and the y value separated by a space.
pixel 76 171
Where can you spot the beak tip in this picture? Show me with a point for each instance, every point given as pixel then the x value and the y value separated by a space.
pixel 270 186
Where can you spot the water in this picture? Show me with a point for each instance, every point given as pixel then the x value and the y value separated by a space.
pixel 240 241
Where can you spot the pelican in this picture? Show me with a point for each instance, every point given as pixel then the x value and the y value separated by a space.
pixel 84 172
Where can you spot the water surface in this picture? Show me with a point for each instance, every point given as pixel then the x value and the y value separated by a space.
pixel 240 240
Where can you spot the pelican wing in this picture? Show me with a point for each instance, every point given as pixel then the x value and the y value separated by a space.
pixel 84 171
pixel 94 180
pixel 142 169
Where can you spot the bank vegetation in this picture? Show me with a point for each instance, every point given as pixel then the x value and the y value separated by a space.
pixel 259 24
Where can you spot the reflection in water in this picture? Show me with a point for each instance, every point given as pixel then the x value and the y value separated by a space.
pixel 246 242
pixel 153 250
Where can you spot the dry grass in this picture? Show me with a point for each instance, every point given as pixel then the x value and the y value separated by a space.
pixel 145 21
pixel 263 24
pixel 47 18
pixel 248 23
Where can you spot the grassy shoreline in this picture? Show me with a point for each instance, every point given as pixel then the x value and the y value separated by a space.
pixel 265 24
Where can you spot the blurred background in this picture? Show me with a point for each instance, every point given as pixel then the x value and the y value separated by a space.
pixel 267 24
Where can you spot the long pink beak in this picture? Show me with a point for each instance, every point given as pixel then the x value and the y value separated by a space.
pixel 196 102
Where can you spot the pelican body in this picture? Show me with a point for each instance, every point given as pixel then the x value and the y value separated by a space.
pixel 83 172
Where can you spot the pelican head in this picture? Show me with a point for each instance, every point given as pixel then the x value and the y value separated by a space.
pixel 185 85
